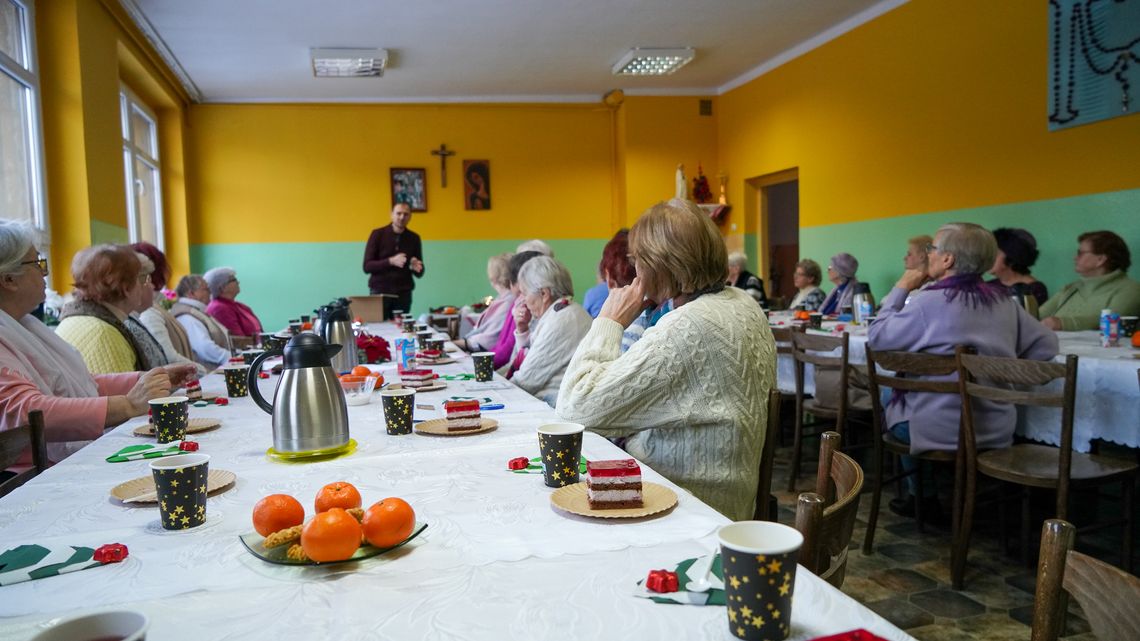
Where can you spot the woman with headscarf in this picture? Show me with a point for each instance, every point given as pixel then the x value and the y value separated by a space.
pixel 841 271
pixel 110 284
pixel 39 371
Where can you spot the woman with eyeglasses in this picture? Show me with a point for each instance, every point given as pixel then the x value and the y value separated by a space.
pixel 806 279
pixel 110 283
pixel 841 272
pixel 40 371
pixel 1102 262
pixel 238 318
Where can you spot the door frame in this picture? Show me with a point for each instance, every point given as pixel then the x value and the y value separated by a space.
pixel 756 208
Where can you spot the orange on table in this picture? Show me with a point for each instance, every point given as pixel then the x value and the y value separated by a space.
pixel 333 535
pixel 388 522
pixel 361 370
pixel 1136 338
pixel 339 494
pixel 277 512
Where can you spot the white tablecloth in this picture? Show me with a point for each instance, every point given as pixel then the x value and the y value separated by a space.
pixel 497 560
pixel 1108 397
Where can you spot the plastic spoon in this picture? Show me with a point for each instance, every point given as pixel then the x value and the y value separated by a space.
pixel 699 574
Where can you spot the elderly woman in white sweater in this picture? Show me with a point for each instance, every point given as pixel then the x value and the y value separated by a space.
pixel 691 394
pixel 548 327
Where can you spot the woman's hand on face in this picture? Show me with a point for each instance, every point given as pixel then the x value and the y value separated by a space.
pixel 911 279
pixel 152 384
pixel 625 304
pixel 522 318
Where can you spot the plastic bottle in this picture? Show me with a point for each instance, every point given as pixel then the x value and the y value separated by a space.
pixel 1106 330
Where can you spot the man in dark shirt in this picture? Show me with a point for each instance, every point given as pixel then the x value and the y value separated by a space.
pixel 392 255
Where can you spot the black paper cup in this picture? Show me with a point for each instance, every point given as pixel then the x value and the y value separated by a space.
pixel 181 484
pixel 399 405
pixel 409 324
pixel 484 366
pixel 759 560
pixel 305 318
pixel 169 415
pixel 295 328
pixel 236 383
pixel 560 446
pixel 435 343
pixel 421 327
pixel 815 320
pixel 422 338
pixel 250 354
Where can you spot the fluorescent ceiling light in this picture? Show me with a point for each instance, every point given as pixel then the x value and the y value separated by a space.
pixel 653 62
pixel 349 63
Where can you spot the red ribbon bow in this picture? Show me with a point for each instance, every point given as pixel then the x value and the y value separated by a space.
pixel 110 553
pixel 221 401
pixel 661 581
pixel 519 463
pixel 188 446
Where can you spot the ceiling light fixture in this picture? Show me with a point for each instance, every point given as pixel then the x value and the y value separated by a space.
pixel 641 61
pixel 349 63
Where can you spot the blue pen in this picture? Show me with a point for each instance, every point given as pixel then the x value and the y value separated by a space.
pixel 492 406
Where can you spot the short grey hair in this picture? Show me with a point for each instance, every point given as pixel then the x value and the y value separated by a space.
pixel 738 259
pixel 535 245
pixel 499 269
pixel 973 247
pixel 16 238
pixel 543 272
pixel 217 278
pixel 188 284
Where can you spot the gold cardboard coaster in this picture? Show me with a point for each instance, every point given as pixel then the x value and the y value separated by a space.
pixel 438 427
pixel 142 490
pixel 193 426
pixel 572 498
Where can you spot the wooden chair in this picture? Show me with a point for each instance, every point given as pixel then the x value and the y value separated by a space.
pixel 901 365
pixel 448 323
pixel 13 442
pixel 1029 464
pixel 783 338
pixel 1107 596
pixel 827 525
pixel 765 502
pixel 814 349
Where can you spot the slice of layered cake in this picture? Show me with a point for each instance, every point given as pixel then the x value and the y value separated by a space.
pixel 417 378
pixel 613 484
pixel 462 416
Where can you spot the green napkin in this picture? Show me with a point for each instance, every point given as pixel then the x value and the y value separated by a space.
pixel 27 562
pixel 535 466
pixel 714 596
pixel 138 452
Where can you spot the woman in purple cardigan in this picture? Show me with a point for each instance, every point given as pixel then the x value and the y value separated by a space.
pixel 957 309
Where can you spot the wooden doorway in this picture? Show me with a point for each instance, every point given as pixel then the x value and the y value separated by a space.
pixel 774 203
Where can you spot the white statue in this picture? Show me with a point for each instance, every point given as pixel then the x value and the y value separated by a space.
pixel 682 184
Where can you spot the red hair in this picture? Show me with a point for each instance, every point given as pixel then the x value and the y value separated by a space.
pixel 615 264
pixel 105 273
pixel 161 273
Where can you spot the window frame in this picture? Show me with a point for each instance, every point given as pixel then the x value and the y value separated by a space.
pixel 27 75
pixel 128 102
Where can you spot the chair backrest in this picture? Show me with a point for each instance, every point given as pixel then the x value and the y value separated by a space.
pixel 815 349
pixel 1107 595
pixel 768 458
pixel 895 370
pixel 827 526
pixel 783 338
pixel 1004 380
pixel 14 441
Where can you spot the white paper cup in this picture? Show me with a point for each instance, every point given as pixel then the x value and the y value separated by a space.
pixel 118 624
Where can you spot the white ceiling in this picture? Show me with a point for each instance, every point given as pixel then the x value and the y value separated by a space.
pixel 482 50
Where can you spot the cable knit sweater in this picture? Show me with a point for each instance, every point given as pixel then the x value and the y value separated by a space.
pixel 692 392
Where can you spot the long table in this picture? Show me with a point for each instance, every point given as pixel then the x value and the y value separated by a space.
pixel 496 561
pixel 1108 396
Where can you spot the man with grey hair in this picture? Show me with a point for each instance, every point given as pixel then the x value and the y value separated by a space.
pixel 741 278
pixel 958 308
pixel 209 341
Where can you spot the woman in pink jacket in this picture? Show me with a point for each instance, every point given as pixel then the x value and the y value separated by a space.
pixel 39 371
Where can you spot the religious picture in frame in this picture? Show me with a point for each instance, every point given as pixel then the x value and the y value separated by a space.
pixel 409 186
pixel 477 184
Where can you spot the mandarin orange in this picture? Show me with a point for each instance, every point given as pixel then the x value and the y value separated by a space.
pixel 340 494
pixel 333 535
pixel 361 370
pixel 388 522
pixel 277 512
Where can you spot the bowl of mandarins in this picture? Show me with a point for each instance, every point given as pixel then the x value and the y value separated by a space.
pixel 358 385
pixel 339 530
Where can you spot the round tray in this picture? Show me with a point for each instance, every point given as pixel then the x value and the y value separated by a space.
pixel 193 426
pixel 314 455
pixel 438 427
pixel 217 481
pixel 572 498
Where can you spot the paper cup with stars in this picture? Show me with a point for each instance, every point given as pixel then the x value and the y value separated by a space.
pixel 435 343
pixel 759 559
pixel 170 415
pixel 236 384
pixel 181 485
pixel 399 405
pixel 422 337
pixel 560 446
pixel 409 324
pixel 484 366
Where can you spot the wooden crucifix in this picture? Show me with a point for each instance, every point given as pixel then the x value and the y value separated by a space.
pixel 443 152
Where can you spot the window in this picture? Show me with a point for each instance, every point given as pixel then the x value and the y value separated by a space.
pixel 21 146
pixel 143 172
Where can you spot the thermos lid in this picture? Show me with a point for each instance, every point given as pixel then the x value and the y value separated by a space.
pixel 862 288
pixel 309 350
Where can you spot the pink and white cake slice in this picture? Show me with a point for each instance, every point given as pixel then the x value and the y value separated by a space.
pixel 613 484
pixel 462 415
pixel 415 378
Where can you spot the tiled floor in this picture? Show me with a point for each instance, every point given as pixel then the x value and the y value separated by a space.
pixel 906 579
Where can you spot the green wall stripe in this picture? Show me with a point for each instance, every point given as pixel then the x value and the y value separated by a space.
pixel 282 280
pixel 102 232
pixel 880 244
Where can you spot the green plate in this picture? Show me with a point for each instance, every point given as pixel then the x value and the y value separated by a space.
pixel 252 542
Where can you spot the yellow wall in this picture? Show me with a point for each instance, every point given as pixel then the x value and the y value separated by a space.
pixel 320 173
pixel 933 106
pixel 86 48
